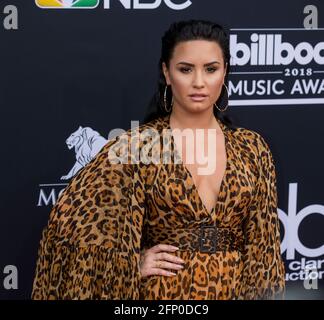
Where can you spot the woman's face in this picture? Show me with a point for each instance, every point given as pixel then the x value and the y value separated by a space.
pixel 196 67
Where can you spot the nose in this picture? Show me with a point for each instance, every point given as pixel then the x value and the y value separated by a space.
pixel 198 81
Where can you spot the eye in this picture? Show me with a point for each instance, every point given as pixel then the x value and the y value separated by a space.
pixel 185 70
pixel 211 69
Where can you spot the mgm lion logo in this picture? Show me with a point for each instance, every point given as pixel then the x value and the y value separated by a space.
pixel 86 143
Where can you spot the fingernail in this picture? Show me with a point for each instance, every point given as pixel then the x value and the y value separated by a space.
pixel 175 248
pixel 172 274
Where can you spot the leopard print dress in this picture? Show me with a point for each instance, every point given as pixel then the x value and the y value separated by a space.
pixel 116 206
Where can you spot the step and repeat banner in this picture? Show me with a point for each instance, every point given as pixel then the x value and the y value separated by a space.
pixel 73 70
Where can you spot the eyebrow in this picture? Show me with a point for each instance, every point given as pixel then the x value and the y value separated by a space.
pixel 192 65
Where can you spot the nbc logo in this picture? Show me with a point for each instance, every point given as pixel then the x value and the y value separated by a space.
pixel 67 4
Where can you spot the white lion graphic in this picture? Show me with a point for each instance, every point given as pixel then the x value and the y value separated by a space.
pixel 87 143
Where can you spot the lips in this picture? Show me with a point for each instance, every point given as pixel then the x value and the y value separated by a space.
pixel 198 95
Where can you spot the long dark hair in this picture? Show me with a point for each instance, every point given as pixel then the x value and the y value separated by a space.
pixel 186 31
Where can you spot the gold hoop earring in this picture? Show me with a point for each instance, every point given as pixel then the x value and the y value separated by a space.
pixel 222 110
pixel 165 100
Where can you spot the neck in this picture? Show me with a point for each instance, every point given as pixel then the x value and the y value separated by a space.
pixel 182 119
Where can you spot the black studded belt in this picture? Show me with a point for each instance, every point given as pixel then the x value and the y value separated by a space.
pixel 205 238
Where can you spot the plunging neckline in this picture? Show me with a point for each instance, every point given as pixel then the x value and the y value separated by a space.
pixel 193 183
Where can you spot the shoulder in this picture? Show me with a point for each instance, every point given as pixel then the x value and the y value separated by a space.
pixel 253 139
pixel 152 130
pixel 126 146
pixel 260 148
pixel 153 126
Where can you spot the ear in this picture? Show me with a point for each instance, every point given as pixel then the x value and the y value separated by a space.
pixel 166 73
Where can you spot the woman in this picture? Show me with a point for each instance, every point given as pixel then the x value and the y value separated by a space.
pixel 129 229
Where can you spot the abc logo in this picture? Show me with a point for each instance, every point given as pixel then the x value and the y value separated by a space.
pixel 291 222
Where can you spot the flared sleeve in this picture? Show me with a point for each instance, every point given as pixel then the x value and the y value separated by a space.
pixel 90 247
pixel 263 272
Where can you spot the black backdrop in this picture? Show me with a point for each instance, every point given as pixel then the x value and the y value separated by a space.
pixel 97 68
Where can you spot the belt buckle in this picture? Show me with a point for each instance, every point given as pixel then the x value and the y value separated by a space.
pixel 207 234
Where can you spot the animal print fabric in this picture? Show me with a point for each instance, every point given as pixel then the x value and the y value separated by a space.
pixel 110 212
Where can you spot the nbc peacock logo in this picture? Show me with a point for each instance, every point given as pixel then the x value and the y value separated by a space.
pixel 67 4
